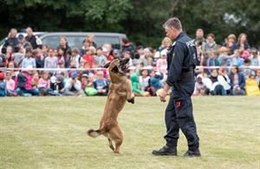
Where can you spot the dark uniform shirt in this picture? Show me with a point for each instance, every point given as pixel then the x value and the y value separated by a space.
pixel 181 61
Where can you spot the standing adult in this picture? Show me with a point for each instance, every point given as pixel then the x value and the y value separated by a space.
pixel 199 39
pixel 128 46
pixel 179 112
pixel 11 40
pixel 209 48
pixel 242 42
pixel 30 37
pixel 64 46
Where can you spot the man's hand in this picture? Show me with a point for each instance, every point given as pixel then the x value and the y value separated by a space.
pixel 162 94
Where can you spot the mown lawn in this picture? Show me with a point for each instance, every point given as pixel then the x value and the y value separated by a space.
pixel 50 133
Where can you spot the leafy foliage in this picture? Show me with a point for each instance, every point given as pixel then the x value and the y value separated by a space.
pixel 142 20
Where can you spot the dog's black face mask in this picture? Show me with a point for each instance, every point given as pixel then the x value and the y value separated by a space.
pixel 123 65
pixel 119 66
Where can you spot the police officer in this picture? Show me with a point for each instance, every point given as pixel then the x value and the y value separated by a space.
pixel 179 114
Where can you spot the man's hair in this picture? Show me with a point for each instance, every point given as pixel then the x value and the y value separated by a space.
pixel 173 23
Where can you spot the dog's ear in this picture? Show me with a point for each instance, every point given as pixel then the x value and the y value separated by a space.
pixel 107 65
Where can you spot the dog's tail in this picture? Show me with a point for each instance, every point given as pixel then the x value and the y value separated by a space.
pixel 94 133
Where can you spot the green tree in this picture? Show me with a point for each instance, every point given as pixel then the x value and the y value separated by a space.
pixel 70 15
pixel 142 20
pixel 106 15
pixel 221 17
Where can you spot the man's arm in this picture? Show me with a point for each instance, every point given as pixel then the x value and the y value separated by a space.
pixel 176 64
pixel 174 70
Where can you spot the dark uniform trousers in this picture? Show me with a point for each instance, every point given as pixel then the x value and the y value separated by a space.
pixel 179 115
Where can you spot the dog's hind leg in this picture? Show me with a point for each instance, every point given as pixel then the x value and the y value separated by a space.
pixel 110 144
pixel 118 143
pixel 116 136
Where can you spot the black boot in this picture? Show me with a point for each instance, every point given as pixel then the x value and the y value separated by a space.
pixel 191 153
pixel 165 151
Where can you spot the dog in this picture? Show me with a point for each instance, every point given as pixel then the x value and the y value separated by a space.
pixel 120 91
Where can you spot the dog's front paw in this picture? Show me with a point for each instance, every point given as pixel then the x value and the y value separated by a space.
pixel 132 100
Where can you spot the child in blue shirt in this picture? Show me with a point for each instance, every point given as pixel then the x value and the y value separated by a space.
pixel 2 85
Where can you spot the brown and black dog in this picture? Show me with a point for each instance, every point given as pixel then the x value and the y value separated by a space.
pixel 120 91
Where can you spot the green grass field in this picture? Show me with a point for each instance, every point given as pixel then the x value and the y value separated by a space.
pixel 50 133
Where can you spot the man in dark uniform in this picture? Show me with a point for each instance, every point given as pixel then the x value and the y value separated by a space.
pixel 179 114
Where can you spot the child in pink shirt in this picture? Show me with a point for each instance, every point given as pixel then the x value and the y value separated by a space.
pixel 10 85
pixel 44 83
pixel 161 64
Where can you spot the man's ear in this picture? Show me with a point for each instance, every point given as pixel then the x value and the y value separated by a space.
pixel 107 65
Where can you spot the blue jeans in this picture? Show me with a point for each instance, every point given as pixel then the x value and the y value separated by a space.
pixel 21 91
